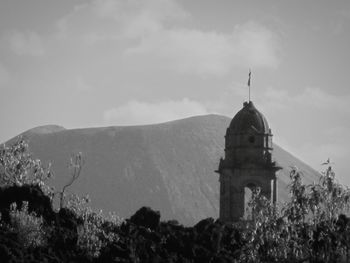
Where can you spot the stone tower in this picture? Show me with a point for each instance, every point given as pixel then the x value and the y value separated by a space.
pixel 247 163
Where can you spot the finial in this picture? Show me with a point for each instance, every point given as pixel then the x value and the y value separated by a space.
pixel 249 78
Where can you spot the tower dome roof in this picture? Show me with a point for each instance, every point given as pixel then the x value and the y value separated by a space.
pixel 247 119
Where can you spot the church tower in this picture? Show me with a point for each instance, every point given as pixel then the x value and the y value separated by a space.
pixel 247 163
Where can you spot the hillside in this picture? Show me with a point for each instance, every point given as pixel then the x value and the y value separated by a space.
pixel 169 166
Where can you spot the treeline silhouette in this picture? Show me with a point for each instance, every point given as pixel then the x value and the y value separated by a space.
pixel 311 227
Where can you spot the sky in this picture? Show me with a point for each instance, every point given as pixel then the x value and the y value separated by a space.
pixel 91 63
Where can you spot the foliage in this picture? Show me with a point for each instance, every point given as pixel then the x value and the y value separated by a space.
pixel 329 199
pixel 28 226
pixel 310 227
pixel 96 230
pixel 17 167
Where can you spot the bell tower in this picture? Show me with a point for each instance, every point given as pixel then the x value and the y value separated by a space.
pixel 247 163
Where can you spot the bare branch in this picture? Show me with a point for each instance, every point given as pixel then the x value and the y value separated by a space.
pixel 76 164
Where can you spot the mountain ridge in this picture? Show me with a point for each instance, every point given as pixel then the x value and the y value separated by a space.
pixel 168 166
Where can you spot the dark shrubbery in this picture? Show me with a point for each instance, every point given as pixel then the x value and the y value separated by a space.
pixel 311 227
pixel 146 217
pixel 143 238
pixel 37 200
pixel 208 241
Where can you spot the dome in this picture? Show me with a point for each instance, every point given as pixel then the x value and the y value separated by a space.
pixel 249 118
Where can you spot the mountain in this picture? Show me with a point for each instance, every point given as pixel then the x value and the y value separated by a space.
pixel 45 129
pixel 169 166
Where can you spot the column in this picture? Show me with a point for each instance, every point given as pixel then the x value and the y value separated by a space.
pixel 275 191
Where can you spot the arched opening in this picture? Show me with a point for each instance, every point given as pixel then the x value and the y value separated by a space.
pixel 248 191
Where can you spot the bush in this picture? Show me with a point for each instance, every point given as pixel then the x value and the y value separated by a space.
pixel 97 229
pixel 310 227
pixel 28 226
pixel 37 201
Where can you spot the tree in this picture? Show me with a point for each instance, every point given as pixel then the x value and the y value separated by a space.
pixel 75 166
pixel 17 167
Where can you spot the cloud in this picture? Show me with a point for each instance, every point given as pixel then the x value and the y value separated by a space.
pixel 81 85
pixel 256 45
pixel 157 10
pixel 138 113
pixel 312 98
pixel 28 43
pixel 115 19
pixel 322 100
pixel 139 18
pixel 208 52
pixel 4 76
pixel 160 31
